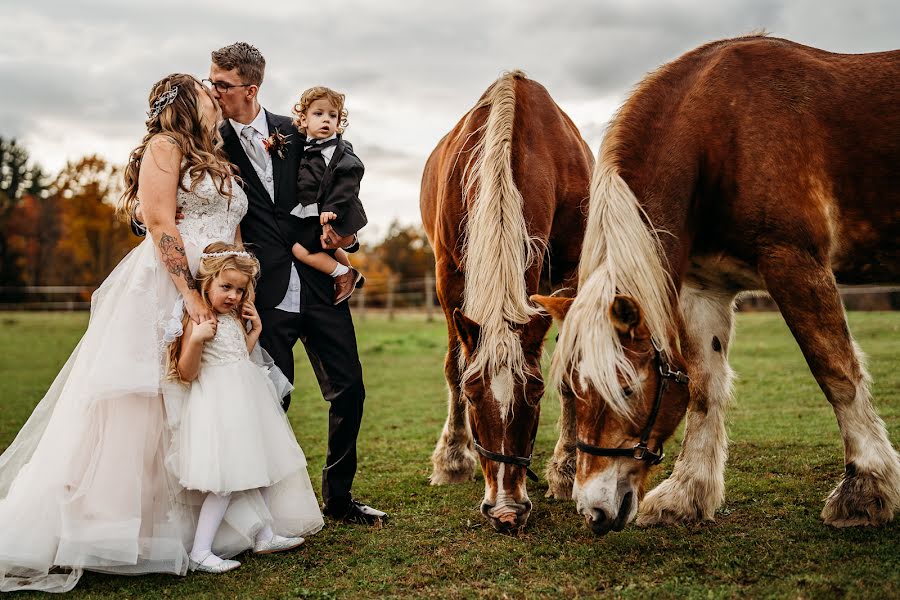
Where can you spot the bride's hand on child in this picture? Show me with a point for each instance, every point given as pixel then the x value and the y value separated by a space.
pixel 205 331
pixel 249 314
pixel 197 309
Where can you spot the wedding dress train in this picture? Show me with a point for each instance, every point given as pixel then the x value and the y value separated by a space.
pixel 84 485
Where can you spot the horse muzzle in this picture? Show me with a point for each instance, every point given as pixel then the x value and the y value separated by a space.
pixel 509 517
pixel 602 522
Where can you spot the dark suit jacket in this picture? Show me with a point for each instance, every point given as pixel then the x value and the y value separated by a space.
pixel 266 229
pixel 339 190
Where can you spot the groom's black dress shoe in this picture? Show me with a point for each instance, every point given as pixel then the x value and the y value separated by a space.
pixel 356 512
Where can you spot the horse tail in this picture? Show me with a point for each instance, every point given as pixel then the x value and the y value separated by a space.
pixel 622 254
pixel 497 248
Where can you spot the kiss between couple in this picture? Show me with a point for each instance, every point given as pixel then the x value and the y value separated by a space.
pixel 162 444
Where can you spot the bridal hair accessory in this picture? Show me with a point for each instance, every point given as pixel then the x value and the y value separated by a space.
pixel 225 253
pixel 276 143
pixel 162 102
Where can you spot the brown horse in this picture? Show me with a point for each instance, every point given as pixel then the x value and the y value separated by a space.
pixel 746 164
pixel 503 198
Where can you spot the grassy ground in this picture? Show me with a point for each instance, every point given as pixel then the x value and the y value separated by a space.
pixel 767 541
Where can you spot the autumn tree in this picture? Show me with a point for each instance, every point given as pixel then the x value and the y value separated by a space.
pixel 406 251
pixel 18 179
pixel 91 240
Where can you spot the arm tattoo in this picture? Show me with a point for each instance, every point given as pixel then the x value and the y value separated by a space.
pixel 174 258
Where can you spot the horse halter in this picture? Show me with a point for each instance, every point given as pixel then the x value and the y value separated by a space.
pixel 510 459
pixel 640 451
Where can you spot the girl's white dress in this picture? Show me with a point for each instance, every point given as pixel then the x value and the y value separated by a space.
pixel 85 486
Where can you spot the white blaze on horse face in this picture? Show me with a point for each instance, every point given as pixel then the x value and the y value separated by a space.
pixel 502 390
pixel 603 491
pixel 491 496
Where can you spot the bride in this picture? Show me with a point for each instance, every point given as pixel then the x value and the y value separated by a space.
pixel 84 484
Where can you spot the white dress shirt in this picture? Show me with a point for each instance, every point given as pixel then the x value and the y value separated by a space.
pixel 291 301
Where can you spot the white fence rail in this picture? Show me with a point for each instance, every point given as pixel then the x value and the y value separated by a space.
pixel 390 295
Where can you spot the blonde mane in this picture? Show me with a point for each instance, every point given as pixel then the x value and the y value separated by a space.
pixel 621 254
pixel 497 249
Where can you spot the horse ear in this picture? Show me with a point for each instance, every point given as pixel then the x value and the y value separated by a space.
pixel 557 306
pixel 534 331
pixel 467 330
pixel 625 314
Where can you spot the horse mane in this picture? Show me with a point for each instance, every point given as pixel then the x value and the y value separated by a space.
pixel 622 254
pixel 497 249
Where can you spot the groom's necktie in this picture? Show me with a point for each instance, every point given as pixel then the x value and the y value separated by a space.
pixel 254 150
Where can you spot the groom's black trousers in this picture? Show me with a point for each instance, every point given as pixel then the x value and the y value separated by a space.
pixel 328 335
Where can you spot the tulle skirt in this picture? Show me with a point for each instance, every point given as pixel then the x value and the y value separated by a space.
pixel 84 485
pixel 231 436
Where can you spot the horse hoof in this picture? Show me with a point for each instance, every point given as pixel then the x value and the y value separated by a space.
pixel 671 504
pixel 559 480
pixel 452 462
pixel 859 500
pixel 444 477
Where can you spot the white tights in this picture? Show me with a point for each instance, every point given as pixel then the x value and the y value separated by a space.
pixel 266 533
pixel 211 514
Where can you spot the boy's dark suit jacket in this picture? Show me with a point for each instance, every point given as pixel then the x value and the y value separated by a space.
pixel 268 228
pixel 339 192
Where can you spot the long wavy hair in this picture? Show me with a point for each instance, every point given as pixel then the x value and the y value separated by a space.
pixel 181 121
pixel 210 268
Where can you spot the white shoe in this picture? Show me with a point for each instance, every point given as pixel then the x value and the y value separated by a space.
pixel 210 566
pixel 277 543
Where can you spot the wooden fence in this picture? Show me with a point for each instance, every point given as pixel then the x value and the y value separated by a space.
pixel 391 296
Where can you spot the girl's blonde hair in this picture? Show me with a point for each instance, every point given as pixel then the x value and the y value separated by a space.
pixel 181 121
pixel 210 268
pixel 317 93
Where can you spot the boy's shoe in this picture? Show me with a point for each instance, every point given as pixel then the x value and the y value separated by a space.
pixel 361 281
pixel 207 566
pixel 277 543
pixel 345 284
pixel 356 512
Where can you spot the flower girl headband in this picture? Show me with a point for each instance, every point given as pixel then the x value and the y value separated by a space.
pixel 162 102
pixel 225 253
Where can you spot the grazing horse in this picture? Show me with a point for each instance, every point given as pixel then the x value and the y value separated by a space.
pixel 503 198
pixel 746 164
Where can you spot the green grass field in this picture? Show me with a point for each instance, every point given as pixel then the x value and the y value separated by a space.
pixel 767 541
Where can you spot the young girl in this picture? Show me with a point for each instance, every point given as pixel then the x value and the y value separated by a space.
pixel 232 441
pixel 327 187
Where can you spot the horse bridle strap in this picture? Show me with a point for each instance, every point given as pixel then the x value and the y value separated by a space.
pixel 641 451
pixel 509 459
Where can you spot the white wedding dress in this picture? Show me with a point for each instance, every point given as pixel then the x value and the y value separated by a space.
pixel 84 485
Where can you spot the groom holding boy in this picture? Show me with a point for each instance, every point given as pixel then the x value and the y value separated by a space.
pixel 295 301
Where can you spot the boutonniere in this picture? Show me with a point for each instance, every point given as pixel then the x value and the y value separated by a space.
pixel 276 143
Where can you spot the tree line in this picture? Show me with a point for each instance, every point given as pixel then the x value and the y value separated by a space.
pixel 61 230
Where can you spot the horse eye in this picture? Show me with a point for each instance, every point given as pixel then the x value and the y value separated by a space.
pixel 627 391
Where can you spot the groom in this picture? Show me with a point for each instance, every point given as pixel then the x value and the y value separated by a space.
pixel 294 301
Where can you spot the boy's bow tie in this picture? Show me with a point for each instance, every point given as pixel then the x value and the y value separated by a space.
pixel 317 146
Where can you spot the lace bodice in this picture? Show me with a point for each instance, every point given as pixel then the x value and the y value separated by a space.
pixel 208 216
pixel 229 345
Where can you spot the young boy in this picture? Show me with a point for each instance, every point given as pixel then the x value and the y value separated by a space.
pixel 329 177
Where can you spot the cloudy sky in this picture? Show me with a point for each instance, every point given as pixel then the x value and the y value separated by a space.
pixel 74 75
